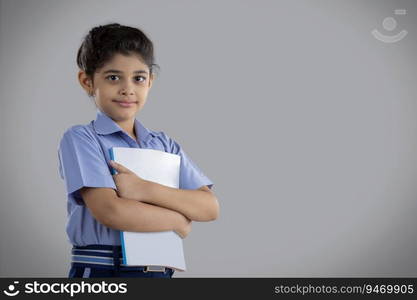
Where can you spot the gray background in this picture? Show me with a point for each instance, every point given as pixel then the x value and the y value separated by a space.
pixel 304 121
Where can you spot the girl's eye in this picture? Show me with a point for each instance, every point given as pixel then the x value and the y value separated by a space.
pixel 141 78
pixel 111 76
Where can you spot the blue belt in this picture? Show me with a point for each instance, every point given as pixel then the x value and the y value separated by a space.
pixel 106 257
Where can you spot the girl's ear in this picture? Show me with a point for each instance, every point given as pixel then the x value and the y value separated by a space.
pixel 85 82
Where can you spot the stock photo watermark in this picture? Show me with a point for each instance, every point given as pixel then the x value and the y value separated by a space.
pixel 70 289
pixel 390 24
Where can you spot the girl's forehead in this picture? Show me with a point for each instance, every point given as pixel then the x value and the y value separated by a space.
pixel 119 59
pixel 128 64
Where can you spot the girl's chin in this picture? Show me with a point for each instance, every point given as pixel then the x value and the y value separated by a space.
pixel 123 115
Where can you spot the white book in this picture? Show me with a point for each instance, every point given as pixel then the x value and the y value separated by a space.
pixel 163 248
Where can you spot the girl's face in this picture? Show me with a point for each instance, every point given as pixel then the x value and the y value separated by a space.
pixel 121 87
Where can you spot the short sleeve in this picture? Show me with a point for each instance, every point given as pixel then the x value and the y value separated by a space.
pixel 82 163
pixel 191 177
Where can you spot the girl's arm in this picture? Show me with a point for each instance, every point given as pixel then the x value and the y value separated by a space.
pixel 197 205
pixel 131 215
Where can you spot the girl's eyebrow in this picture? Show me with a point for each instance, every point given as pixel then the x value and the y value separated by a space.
pixel 117 71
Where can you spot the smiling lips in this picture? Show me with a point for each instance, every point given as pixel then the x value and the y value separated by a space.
pixel 125 103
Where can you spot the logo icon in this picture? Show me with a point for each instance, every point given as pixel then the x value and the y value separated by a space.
pixel 390 24
pixel 11 289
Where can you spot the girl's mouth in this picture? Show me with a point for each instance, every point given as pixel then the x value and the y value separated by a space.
pixel 125 103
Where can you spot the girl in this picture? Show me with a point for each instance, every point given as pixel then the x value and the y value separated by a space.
pixel 117 70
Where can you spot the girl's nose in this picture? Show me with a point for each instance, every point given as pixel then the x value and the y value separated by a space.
pixel 127 91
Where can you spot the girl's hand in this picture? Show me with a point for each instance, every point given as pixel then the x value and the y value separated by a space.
pixel 128 184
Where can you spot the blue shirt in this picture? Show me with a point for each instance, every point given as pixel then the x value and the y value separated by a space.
pixel 83 155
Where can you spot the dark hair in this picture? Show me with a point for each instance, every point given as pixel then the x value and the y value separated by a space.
pixel 102 42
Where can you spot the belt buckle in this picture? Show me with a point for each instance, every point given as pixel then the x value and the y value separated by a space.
pixel 154 269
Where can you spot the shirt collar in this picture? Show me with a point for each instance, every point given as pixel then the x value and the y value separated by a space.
pixel 105 125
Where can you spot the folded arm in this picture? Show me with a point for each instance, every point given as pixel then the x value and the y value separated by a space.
pixel 131 215
pixel 197 205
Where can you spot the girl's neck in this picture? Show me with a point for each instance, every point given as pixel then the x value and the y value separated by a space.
pixel 129 127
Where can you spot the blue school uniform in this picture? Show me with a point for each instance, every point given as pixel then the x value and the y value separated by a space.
pixel 83 156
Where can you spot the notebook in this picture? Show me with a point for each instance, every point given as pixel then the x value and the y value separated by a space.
pixel 163 248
